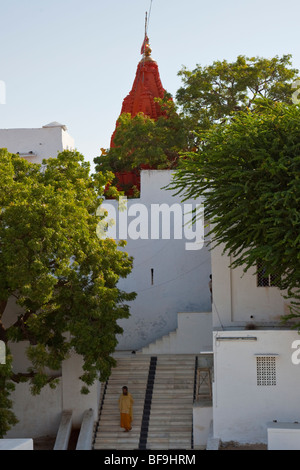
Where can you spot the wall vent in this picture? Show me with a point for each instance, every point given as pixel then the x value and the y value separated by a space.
pixel 266 370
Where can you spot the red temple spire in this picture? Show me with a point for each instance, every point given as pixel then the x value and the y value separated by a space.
pixel 146 87
pixel 141 99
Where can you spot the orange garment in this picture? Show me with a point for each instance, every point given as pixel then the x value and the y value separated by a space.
pixel 125 406
pixel 125 421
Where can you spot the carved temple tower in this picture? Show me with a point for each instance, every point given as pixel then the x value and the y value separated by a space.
pixel 141 99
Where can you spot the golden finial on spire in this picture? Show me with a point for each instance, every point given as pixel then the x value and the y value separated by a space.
pixel 146 49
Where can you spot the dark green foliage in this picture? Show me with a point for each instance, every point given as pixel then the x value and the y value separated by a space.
pixel 213 94
pixel 249 173
pixel 142 141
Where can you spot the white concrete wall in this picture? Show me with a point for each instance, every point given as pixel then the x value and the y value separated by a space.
pixel 38 415
pixel 194 332
pixel 202 417
pixel 192 336
pixel 45 142
pixel 180 276
pixel 238 301
pixel 72 399
pixel 241 408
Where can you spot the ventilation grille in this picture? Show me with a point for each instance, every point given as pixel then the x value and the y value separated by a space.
pixel 266 370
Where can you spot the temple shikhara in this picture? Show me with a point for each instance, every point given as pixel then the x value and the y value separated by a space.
pixel 141 99
pixel 146 87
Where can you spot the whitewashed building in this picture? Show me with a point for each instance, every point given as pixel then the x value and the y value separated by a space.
pixel 37 143
pixel 256 371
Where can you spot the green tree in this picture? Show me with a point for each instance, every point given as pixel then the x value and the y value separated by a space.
pixel 248 171
pixel 143 142
pixel 62 276
pixel 214 93
pixel 209 96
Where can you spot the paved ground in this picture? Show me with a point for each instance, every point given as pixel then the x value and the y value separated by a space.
pixel 44 443
pixel 47 442
pixel 236 446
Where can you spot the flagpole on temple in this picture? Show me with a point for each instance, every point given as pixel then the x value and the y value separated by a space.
pixel 146 41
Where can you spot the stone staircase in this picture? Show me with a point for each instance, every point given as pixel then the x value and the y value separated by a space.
pixel 193 334
pixel 170 421
pixel 131 370
pixel 171 418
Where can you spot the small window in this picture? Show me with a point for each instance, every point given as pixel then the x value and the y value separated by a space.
pixel 266 370
pixel 264 280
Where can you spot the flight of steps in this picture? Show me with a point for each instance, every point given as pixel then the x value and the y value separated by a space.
pixel 171 418
pixel 131 370
pixel 170 423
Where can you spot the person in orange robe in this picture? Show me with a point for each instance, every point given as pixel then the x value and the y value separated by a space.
pixel 125 406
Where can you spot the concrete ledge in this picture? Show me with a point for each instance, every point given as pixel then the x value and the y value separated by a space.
pixel 16 444
pixel 85 438
pixel 64 431
pixel 283 436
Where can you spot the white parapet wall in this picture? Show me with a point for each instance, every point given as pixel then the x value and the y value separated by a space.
pixel 202 417
pixel 16 444
pixel 85 438
pixel 64 431
pixel 283 436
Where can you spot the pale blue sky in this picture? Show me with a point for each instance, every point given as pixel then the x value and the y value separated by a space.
pixel 75 61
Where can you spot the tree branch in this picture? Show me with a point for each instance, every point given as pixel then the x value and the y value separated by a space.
pixel 20 323
pixel 17 378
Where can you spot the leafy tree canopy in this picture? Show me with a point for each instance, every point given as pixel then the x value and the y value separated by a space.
pixel 62 276
pixel 214 93
pixel 141 141
pixel 248 171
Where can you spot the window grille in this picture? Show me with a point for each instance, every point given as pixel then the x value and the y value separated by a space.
pixel 266 370
pixel 264 280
